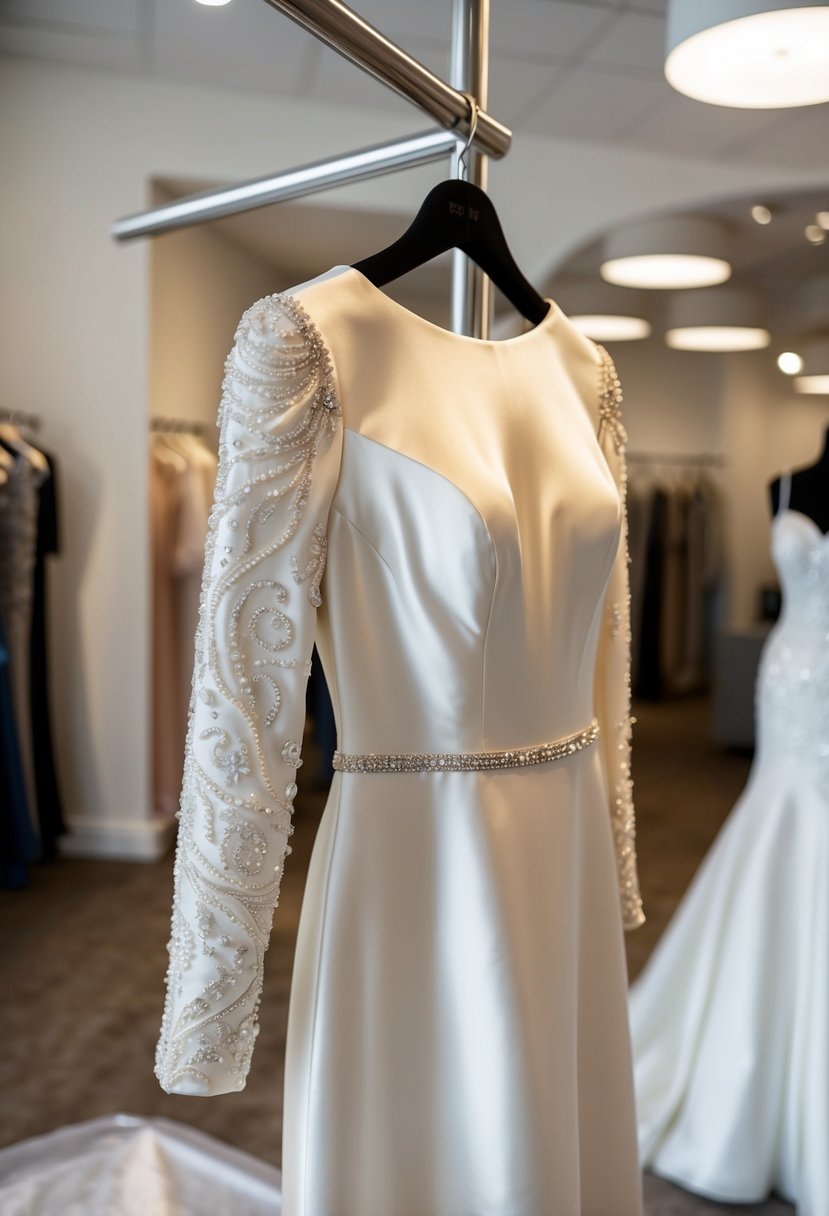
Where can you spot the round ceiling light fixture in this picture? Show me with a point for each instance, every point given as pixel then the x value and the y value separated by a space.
pixel 667 253
pixel 790 362
pixel 815 378
pixel 724 319
pixel 604 313
pixel 751 54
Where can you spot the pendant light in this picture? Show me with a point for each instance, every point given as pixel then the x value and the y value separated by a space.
pixel 751 54
pixel 602 312
pixel 815 378
pixel 722 319
pixel 669 252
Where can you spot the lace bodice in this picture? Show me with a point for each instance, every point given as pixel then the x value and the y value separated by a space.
pixel 793 684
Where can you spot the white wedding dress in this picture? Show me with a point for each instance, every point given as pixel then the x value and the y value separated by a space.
pixel 458 1041
pixel 730 1018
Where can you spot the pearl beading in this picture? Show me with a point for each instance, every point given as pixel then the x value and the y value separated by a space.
pixel 466 762
pixel 617 617
pixel 278 407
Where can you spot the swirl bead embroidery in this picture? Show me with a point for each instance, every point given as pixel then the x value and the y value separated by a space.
pixel 278 406
pixel 617 615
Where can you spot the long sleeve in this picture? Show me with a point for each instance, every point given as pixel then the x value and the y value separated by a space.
pixel 612 689
pixel 280 444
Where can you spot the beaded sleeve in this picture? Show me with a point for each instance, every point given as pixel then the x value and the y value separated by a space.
pixel 613 691
pixel 279 450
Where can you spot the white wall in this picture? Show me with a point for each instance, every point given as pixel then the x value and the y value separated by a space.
pixel 672 399
pixel 200 284
pixel 766 428
pixel 737 407
pixel 79 148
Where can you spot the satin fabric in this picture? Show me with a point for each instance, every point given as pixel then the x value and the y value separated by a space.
pixel 124 1165
pixel 730 1018
pixel 457 1038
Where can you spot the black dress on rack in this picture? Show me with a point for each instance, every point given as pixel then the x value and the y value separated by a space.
pixel 50 812
pixel 19 845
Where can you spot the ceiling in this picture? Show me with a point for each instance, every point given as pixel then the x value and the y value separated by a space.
pixel 776 258
pixel 589 70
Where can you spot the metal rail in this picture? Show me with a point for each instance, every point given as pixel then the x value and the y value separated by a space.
pixel 339 27
pixel 335 24
pixel 471 309
pixel 347 33
pixel 293 183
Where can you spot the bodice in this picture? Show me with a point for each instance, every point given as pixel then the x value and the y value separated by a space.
pixel 470 539
pixel 793 684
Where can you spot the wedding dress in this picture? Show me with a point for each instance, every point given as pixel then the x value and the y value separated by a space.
pixel 458 1041
pixel 730 1018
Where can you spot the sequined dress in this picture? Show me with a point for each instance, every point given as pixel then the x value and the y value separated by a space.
pixel 730 1019
pixel 446 517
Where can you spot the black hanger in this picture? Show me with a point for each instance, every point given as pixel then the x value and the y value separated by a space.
pixel 457 215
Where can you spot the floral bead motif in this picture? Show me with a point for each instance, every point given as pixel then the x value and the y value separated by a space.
pixel 291 754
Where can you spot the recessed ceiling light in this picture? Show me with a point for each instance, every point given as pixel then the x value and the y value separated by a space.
pixel 603 312
pixel 741 54
pixel 790 362
pixel 718 338
pixel 822 218
pixel 668 252
pixel 606 327
pixel 815 366
pixel 815 234
pixel 761 214
pixel 213 3
pixel 665 270
pixel 722 319
pixel 812 384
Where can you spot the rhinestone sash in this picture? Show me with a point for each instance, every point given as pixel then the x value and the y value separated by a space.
pixel 465 762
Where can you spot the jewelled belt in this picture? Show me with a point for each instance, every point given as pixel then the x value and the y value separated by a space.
pixel 465 762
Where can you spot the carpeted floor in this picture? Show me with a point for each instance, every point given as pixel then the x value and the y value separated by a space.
pixel 82 956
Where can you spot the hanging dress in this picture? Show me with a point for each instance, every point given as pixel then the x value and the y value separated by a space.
pixel 458 1039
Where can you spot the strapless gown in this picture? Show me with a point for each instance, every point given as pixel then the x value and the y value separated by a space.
pixel 730 1018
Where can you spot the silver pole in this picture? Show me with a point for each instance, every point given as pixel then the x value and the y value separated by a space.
pixel 335 24
pixel 471 289
pixel 294 183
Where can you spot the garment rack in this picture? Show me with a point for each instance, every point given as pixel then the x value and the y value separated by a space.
pixel 30 422
pixel 698 460
pixel 160 424
pixel 342 29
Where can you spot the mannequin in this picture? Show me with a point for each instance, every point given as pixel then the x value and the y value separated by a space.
pixel 810 490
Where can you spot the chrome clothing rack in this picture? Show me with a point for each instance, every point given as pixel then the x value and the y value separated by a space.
pixel 342 29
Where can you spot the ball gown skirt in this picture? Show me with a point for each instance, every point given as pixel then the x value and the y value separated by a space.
pixel 730 1018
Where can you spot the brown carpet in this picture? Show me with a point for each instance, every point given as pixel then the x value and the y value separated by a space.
pixel 82 955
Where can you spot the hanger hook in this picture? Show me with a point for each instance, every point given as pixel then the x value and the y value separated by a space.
pixel 474 110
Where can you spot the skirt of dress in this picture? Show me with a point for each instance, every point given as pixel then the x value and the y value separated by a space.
pixel 730 1019
pixel 458 1041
